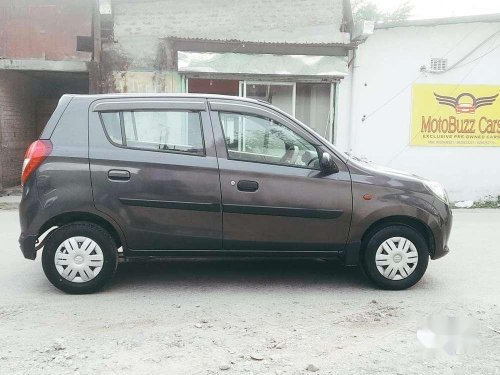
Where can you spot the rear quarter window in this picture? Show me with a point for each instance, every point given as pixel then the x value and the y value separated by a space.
pixel 71 132
pixel 112 124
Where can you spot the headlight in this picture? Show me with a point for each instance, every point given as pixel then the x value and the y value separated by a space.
pixel 437 189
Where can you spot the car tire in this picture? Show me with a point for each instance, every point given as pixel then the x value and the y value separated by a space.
pixel 79 258
pixel 395 257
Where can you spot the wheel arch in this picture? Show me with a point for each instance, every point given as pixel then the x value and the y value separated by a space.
pixel 78 216
pixel 408 221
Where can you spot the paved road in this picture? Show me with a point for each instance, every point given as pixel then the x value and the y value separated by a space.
pixel 258 316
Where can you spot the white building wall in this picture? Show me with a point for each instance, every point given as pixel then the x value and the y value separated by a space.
pixel 342 127
pixel 386 67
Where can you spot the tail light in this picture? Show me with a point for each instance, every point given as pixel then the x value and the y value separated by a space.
pixel 35 155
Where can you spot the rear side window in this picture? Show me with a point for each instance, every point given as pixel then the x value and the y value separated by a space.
pixel 170 131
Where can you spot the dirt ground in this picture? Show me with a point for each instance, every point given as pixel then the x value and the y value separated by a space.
pixel 250 316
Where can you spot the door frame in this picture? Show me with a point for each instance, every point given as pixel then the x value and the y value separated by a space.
pixel 145 198
pixel 343 213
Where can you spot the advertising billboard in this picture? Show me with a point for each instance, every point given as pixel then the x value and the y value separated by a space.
pixel 455 115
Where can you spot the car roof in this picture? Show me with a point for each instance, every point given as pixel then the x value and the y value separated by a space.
pixel 165 95
pixel 92 97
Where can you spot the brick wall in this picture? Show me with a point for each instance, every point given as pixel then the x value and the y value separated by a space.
pixel 44 29
pixel 18 93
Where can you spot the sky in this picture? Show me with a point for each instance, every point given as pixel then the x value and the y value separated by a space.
pixel 443 8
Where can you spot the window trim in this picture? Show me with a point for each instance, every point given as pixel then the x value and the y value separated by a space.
pixel 316 147
pixel 203 152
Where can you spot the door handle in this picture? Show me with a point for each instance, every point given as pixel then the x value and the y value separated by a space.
pixel 118 175
pixel 245 185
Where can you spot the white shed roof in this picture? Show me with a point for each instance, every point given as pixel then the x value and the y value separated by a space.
pixel 262 64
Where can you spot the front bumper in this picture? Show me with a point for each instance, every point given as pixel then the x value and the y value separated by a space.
pixel 27 244
pixel 441 234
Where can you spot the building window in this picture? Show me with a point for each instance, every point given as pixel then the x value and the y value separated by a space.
pixel 311 103
pixel 314 107
pixel 281 95
pixel 438 64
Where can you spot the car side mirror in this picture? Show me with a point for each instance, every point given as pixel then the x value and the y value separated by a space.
pixel 327 164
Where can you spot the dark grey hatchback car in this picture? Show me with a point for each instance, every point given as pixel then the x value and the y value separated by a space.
pixel 134 176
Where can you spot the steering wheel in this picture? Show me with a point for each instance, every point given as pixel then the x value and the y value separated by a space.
pixel 314 159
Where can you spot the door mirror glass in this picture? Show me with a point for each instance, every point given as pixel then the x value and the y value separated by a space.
pixel 327 164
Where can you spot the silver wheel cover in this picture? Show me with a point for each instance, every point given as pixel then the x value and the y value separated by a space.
pixel 396 258
pixel 79 259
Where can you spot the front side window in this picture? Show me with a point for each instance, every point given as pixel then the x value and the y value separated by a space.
pixel 175 131
pixel 259 139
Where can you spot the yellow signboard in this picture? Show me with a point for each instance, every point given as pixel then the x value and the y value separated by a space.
pixel 455 115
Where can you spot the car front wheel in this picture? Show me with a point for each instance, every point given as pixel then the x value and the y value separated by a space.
pixel 79 258
pixel 396 257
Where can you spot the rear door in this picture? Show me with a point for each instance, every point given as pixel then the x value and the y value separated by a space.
pixel 154 170
pixel 274 196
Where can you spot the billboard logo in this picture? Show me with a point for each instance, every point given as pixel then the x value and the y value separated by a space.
pixel 465 102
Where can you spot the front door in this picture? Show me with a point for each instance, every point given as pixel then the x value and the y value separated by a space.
pixel 274 196
pixel 154 171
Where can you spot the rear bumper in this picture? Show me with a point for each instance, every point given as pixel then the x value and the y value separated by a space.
pixel 27 244
pixel 28 209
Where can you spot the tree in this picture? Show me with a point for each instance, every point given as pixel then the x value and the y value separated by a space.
pixel 367 10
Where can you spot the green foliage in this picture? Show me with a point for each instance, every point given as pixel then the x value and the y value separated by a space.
pixel 368 10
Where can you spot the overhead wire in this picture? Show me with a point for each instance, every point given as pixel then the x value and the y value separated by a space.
pixel 457 64
pixel 417 77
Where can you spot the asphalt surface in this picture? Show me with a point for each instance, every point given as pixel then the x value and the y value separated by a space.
pixel 254 316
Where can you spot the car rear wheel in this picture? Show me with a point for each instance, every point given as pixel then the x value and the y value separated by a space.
pixel 396 257
pixel 79 258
